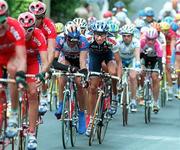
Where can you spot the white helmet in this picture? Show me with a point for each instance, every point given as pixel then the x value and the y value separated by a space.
pixel 80 22
pixel 151 33
pixel 127 29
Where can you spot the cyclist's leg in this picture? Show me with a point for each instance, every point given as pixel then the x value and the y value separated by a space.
pixel 94 65
pixel 156 83
pixel 112 69
pixel 11 130
pixel 177 67
pixel 61 83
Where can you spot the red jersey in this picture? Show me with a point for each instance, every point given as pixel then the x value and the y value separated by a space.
pixel 48 28
pixel 14 36
pixel 36 44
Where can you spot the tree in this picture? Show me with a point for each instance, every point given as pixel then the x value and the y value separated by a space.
pixel 63 10
pixel 18 6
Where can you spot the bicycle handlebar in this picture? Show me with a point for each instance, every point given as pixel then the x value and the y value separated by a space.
pixel 101 74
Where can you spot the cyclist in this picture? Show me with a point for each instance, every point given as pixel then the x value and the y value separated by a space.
pixel 130 56
pixel 13 56
pixel 170 43
pixel 100 50
pixel 48 28
pixel 151 55
pixel 177 65
pixel 35 44
pixel 149 16
pixel 71 50
pixel 59 27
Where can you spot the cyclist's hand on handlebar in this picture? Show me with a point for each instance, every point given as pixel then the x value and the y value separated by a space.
pixel 73 69
pixel 83 71
pixel 40 79
pixel 21 80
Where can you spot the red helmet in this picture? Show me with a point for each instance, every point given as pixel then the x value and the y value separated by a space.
pixel 37 8
pixel 3 7
pixel 27 19
pixel 107 14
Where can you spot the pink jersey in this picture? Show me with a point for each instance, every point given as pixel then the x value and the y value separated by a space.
pixel 157 48
pixel 48 28
pixel 36 44
pixel 14 36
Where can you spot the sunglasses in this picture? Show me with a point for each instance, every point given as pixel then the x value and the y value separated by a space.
pixel 127 35
pixel 151 39
pixel 30 29
pixel 72 39
pixel 100 34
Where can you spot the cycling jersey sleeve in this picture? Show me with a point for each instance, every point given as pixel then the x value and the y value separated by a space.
pixel 84 44
pixel 40 40
pixel 59 43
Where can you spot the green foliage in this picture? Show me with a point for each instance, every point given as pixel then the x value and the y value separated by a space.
pixel 18 6
pixel 63 10
pixel 126 2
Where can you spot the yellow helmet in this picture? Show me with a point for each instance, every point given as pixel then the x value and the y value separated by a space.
pixel 59 27
pixel 165 26
pixel 177 17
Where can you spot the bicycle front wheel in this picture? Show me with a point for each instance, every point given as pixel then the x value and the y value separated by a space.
pixel 74 122
pixel 65 121
pixel 125 105
pixel 96 118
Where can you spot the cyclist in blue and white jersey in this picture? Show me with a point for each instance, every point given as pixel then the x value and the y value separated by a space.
pixel 130 55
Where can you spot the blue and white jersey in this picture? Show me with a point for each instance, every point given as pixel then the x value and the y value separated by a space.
pixel 126 52
pixel 71 52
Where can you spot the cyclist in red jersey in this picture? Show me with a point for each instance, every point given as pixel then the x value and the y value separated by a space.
pixel 13 56
pixel 48 28
pixel 35 44
pixel 170 43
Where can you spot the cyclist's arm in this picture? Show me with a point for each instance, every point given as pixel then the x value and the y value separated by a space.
pixel 43 55
pixel 82 59
pixel 137 54
pixel 57 65
pixel 51 49
pixel 119 64
pixel 21 58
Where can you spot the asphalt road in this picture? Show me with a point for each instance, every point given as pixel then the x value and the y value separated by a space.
pixel 163 133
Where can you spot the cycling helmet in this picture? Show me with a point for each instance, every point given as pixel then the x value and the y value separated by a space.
pixel 177 17
pixel 168 19
pixel 113 27
pixel 107 14
pixel 165 26
pixel 156 26
pixel 100 26
pixel 59 27
pixel 139 23
pixel 174 26
pixel 141 13
pixel 3 8
pixel 151 33
pixel 27 19
pixel 149 12
pixel 80 22
pixel 119 4
pixel 127 29
pixel 38 8
pixel 71 30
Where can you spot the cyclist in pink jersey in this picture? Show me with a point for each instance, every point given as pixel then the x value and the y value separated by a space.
pixel 13 56
pixel 151 56
pixel 48 28
pixel 35 45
